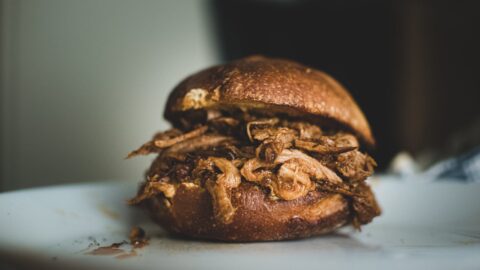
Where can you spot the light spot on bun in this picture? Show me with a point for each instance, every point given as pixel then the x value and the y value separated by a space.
pixel 198 98
pixel 194 99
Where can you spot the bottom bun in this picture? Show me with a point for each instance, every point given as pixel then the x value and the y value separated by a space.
pixel 258 217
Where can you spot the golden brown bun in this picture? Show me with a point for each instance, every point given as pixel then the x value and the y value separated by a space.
pixel 257 217
pixel 270 84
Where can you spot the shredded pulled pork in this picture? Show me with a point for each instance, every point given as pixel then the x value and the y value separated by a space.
pixel 286 157
pixel 199 143
pixel 287 187
pixel 153 187
pixel 219 189
pixel 293 180
pixel 314 167
pixel 355 166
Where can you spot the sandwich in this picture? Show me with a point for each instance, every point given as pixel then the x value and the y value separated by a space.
pixel 260 149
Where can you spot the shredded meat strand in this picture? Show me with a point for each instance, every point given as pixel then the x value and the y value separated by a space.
pixel 322 149
pixel 169 142
pixel 306 130
pixel 250 170
pixel 201 142
pixel 274 140
pixel 145 149
pixel 355 166
pixel 315 168
pixel 222 205
pixel 220 189
pixel 149 147
pixel 153 188
pixel 293 181
pixel 268 122
pixel 229 121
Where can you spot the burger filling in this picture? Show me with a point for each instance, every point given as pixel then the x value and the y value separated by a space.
pixel 284 156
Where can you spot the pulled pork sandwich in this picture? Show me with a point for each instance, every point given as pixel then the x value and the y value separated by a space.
pixel 260 149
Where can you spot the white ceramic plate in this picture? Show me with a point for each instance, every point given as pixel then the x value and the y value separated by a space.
pixel 434 225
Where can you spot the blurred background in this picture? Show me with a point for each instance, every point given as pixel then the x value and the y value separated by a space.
pixel 84 82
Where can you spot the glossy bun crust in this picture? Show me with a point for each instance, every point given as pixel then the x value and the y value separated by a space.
pixel 262 83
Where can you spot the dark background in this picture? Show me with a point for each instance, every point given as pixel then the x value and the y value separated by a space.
pixel 411 65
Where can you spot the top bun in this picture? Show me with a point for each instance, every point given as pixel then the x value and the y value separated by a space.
pixel 271 84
